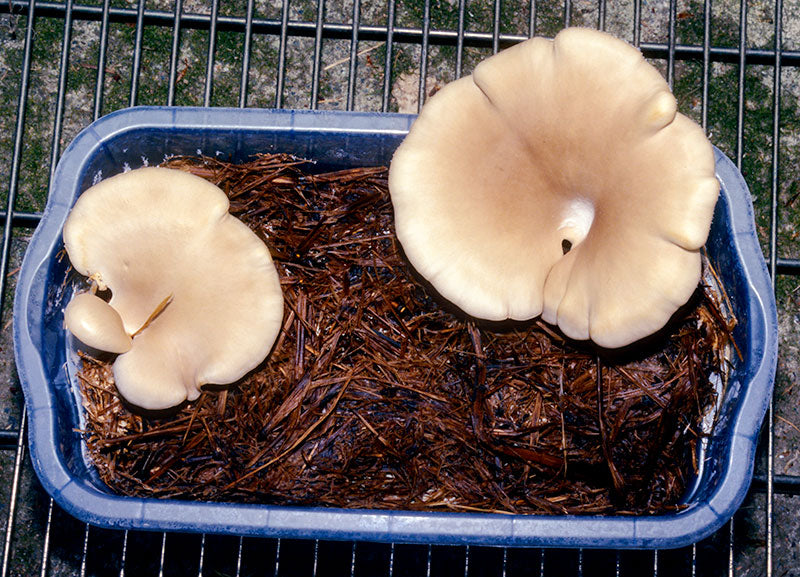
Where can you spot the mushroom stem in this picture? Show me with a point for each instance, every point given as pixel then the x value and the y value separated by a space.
pixel 157 311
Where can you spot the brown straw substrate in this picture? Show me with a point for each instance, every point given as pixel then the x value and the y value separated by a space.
pixel 377 395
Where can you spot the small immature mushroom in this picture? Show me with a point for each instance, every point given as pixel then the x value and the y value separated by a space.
pixel 95 323
pixel 194 286
pixel 558 180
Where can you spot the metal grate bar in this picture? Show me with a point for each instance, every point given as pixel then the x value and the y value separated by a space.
pixel 282 55
pixel 740 100
pixel 124 554
pixel 101 62
pixel 423 56
pixel 203 556
pixel 462 11
pixel 173 58
pixel 212 45
pixel 706 63
pixel 782 484
pixel 163 555
pixel 12 505
pixel 673 10
pixel 773 265
pixel 278 557
pixel 496 24
pixel 731 541
pixel 17 154
pixel 46 544
pixel 318 59
pixel 601 15
pixel 62 89
pixel 387 69
pixel 351 74
pixel 248 40
pixel 136 65
pixel 788 266
pixel 8 439
pixel 239 557
pixel 85 550
pixel 740 95
pixel 22 220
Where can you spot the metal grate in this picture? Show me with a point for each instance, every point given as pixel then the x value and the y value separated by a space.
pixel 733 66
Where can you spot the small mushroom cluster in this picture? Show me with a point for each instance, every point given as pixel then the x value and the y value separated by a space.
pixel 558 180
pixel 195 296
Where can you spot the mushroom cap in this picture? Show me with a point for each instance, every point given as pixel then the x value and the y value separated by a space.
pixel 152 233
pixel 574 139
pixel 95 323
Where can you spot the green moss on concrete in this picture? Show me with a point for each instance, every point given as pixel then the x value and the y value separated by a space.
pixel 39 116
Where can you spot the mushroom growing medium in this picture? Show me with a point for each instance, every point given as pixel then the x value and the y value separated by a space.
pixel 194 288
pixel 558 180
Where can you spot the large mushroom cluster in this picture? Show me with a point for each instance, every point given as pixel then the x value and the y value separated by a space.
pixel 556 180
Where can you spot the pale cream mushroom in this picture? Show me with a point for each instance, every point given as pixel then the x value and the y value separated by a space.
pixel 95 323
pixel 193 285
pixel 571 143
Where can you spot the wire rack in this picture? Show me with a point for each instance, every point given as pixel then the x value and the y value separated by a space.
pixel 63 64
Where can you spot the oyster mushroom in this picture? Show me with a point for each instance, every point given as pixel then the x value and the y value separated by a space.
pixel 195 288
pixel 558 180
pixel 95 323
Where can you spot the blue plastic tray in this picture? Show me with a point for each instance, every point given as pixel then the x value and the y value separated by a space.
pixel 130 138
